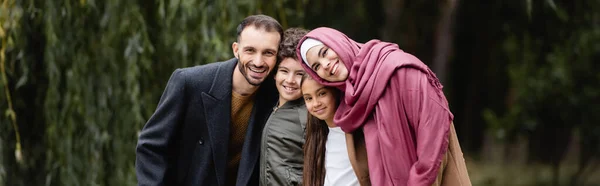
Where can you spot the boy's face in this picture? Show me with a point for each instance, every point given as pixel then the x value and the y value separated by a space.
pixel 287 79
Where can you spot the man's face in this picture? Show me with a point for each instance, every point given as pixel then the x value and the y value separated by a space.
pixel 256 50
pixel 287 79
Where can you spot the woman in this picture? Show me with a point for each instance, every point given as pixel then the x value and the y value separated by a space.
pixel 396 100
pixel 331 157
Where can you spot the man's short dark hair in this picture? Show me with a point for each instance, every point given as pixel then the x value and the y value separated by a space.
pixel 287 47
pixel 260 22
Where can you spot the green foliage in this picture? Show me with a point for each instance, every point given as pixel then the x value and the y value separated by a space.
pixel 87 75
pixel 553 69
pixel 555 83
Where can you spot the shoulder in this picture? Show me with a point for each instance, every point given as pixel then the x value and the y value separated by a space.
pixel 202 77
pixel 205 73
pixel 301 108
pixel 207 69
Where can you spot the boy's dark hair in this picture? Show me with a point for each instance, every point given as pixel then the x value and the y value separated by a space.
pixel 261 22
pixel 287 47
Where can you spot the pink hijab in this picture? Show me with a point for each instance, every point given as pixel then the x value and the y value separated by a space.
pixel 366 105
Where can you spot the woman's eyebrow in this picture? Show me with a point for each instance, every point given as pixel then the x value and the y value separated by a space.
pixel 321 52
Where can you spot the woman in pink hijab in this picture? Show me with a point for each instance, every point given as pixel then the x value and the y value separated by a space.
pixel 398 102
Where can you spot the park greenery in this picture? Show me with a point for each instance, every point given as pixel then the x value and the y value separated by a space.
pixel 79 78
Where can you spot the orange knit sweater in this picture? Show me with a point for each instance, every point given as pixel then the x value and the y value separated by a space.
pixel 241 109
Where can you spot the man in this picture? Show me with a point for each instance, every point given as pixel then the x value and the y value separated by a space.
pixel 283 136
pixel 207 125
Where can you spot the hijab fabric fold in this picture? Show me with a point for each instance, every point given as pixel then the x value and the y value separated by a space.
pixel 368 73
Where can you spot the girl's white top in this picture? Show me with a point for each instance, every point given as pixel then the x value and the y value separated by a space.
pixel 338 169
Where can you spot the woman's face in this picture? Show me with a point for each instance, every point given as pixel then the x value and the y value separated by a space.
pixel 326 63
pixel 320 100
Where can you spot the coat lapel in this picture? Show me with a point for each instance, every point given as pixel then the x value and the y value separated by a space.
pixel 264 101
pixel 217 111
pixel 251 148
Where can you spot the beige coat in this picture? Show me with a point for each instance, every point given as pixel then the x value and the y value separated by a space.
pixel 453 171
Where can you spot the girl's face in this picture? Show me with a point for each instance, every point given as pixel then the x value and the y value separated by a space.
pixel 326 63
pixel 320 100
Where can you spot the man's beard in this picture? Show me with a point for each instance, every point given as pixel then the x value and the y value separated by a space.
pixel 243 69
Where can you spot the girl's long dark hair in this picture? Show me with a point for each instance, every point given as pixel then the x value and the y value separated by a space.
pixel 314 147
pixel 314 152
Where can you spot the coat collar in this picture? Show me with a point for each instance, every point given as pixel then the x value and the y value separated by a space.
pixel 292 104
pixel 223 80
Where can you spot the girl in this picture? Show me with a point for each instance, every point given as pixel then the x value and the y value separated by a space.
pixel 331 157
pixel 396 100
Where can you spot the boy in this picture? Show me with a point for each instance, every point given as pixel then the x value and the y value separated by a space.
pixel 281 157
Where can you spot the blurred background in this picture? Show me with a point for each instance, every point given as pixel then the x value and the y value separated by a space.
pixel 79 78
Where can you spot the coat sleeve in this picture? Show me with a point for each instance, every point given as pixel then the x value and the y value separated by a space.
pixel 430 118
pixel 155 138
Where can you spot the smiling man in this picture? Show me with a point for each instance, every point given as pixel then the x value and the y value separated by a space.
pixel 283 136
pixel 207 126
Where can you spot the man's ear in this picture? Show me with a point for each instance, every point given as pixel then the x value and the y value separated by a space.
pixel 235 48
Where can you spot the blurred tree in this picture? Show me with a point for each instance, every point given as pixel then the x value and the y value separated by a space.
pixel 477 78
pixel 361 20
pixel 85 75
pixel 553 52
pixel 443 38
